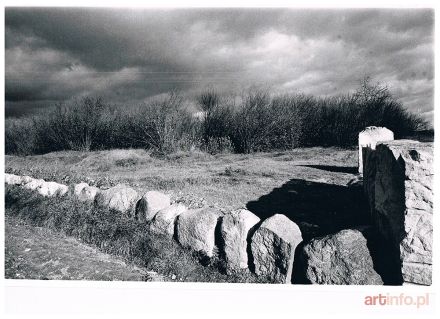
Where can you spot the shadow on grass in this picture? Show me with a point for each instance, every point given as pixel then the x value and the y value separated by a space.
pixel 335 169
pixel 321 209
pixel 318 208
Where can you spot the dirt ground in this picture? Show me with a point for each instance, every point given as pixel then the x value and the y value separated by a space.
pixel 38 253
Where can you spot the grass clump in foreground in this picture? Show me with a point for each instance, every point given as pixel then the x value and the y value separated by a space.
pixel 116 234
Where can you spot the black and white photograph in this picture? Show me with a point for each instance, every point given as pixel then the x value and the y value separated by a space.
pixel 254 146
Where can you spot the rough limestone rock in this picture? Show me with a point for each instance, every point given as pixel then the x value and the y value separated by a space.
pixel 119 197
pixel 164 221
pixel 339 259
pixel 150 204
pixel 12 179
pixel 34 184
pixel 196 229
pixel 51 189
pixel 369 138
pixel 235 228
pixel 26 179
pixel 78 188
pixel 273 248
pixel 417 273
pixel 86 193
pixel 403 208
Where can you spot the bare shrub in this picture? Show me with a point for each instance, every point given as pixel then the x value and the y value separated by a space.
pixel 163 126
pixel 216 145
pixel 254 122
pixel 75 126
pixel 258 122
pixel 19 136
pixel 217 120
pixel 371 105
pixel 299 119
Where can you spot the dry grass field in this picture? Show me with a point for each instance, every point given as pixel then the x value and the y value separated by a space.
pixel 308 185
pixel 225 180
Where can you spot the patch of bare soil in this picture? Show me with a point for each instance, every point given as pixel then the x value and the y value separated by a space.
pixel 39 253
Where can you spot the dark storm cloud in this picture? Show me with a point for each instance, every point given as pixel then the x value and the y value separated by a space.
pixel 130 55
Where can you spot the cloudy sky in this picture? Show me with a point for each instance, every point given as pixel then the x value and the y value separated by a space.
pixel 128 56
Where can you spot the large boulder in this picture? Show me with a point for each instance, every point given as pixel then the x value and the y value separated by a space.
pixel 403 204
pixel 34 184
pixel 85 193
pixel 150 204
pixel 235 230
pixel 51 189
pixel 273 248
pixel 196 229
pixel 369 138
pixel 26 179
pixel 164 221
pixel 339 259
pixel 78 188
pixel 120 197
pixel 12 179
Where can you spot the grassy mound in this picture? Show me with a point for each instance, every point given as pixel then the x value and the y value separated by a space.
pixel 106 160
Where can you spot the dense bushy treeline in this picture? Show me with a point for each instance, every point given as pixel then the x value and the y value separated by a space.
pixel 257 122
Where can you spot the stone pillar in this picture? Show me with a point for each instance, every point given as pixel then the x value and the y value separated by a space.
pixel 403 205
pixel 369 138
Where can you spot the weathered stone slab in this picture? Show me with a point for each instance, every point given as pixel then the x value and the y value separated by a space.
pixel 120 197
pixel 273 248
pixel 12 179
pixel 78 188
pixel 403 208
pixel 150 204
pixel 196 229
pixel 369 138
pixel 164 221
pixel 85 193
pixel 26 179
pixel 416 273
pixel 235 229
pixel 339 259
pixel 51 189
pixel 34 184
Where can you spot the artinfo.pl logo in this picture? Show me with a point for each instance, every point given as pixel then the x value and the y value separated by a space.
pixel 397 300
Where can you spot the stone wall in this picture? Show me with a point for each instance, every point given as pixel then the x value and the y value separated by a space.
pixel 269 248
pixel 204 230
pixel 398 181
